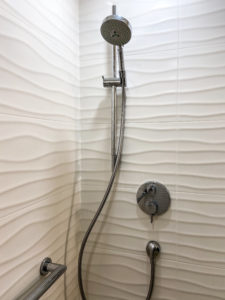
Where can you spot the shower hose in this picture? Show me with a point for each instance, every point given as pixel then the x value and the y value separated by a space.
pixel 152 279
pixel 104 199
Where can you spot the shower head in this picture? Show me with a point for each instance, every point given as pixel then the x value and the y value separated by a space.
pixel 116 30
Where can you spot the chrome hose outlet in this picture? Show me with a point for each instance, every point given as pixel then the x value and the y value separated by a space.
pixel 153 249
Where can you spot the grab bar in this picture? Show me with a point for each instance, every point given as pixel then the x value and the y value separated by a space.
pixel 46 267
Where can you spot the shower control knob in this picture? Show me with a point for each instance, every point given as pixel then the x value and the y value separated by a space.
pixel 153 198
pixel 150 189
pixel 152 208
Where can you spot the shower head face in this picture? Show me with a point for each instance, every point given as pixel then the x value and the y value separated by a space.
pixel 116 30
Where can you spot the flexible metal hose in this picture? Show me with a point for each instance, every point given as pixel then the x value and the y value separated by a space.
pixel 152 279
pixel 105 197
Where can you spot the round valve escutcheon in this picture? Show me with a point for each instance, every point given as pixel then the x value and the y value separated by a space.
pixel 153 198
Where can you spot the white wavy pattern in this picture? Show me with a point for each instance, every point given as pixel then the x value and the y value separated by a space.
pixel 39 142
pixel 201 22
pixel 174 134
pixel 201 83
pixel 117 275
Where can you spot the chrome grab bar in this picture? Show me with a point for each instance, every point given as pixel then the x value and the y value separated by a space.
pixel 46 267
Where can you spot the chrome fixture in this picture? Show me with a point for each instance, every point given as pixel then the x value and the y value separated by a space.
pixel 153 250
pixel 39 289
pixel 116 81
pixel 153 198
pixel 116 24
pixel 116 30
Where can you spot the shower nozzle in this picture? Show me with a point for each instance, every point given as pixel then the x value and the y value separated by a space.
pixel 116 30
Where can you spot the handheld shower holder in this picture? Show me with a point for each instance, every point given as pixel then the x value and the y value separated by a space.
pixel 117 81
pixel 112 81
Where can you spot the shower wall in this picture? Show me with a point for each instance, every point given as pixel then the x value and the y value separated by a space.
pixel 175 134
pixel 39 102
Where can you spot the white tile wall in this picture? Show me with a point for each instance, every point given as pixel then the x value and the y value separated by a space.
pixel 174 134
pixel 55 121
pixel 39 147
pixel 201 22
pixel 200 223
pixel 118 275
pixel 122 226
pixel 201 83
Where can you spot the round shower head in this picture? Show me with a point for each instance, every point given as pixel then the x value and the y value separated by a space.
pixel 116 30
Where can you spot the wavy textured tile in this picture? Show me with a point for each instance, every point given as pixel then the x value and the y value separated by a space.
pixel 154 25
pixel 40 78
pixel 200 225
pixel 116 275
pixel 39 143
pixel 33 151
pixel 122 226
pixel 151 92
pixel 175 74
pixel 201 150
pixel 55 154
pixel 201 83
pixel 36 193
pixel 151 74
pixel 201 22
pixel 141 159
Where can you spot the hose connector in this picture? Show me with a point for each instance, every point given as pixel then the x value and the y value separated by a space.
pixel 153 250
